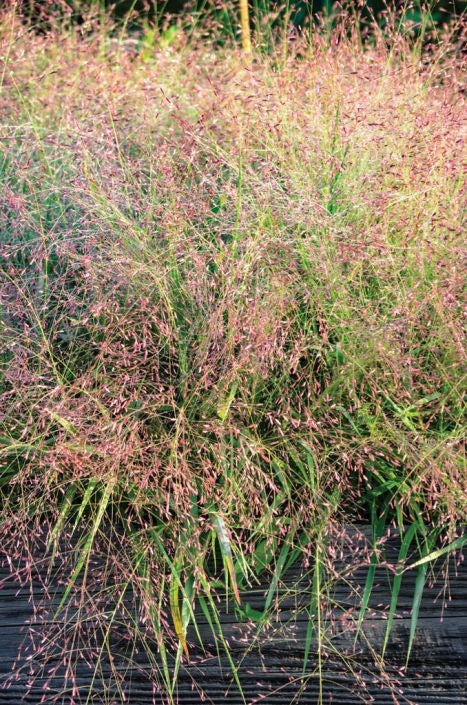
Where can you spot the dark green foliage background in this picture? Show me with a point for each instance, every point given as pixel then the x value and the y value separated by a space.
pixel 441 11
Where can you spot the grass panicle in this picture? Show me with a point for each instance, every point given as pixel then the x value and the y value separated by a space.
pixel 231 323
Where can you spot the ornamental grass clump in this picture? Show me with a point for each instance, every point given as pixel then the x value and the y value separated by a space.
pixel 231 320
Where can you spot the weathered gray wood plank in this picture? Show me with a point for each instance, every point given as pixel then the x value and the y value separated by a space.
pixel 270 669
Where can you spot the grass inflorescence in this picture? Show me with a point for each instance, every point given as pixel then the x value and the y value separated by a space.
pixel 231 316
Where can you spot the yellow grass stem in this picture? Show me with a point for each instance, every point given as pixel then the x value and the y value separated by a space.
pixel 245 24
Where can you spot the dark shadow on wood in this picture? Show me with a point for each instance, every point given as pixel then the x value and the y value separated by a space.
pixel 270 663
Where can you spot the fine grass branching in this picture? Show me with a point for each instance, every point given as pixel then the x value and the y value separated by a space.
pixel 231 325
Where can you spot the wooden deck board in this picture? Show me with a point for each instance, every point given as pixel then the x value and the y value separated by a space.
pixel 271 670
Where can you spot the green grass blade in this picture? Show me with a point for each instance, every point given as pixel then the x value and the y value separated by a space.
pixel 430 540
pixel 174 574
pixel 223 409
pixel 378 524
pixel 417 599
pixel 175 609
pixel 106 495
pixel 220 635
pixel 64 423
pixel 224 543
pixel 284 552
pixel 85 501
pixel 64 511
pixel 453 546
pixel 407 540
pixel 204 607
pixel 314 602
